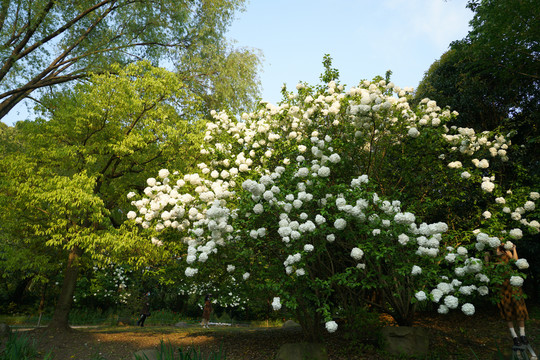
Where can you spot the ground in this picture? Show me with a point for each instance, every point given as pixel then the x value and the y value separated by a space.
pixel 454 336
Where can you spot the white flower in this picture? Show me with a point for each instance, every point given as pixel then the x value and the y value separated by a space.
pixel 465 175
pixel 455 165
pixel 151 182
pixel 483 290
pixel 413 132
pixel 443 309
pixel 357 253
pixel 522 264
pixel 500 200
pixel 451 257
pixel 437 294
pixel 330 237
pixel 534 195
pixel 276 303
pixel 230 268
pixel 246 276
pixel 323 171
pixel 403 239
pixel 451 301
pixel 487 186
pixel 163 173
pixel 131 215
pixel 191 272
pixel 516 280
pixel 462 251
pixel 529 206
pixel 308 248
pixel 319 219
pixel 331 326
pixel 468 309
pixel 334 158
pixel 516 234
pixel 131 195
pixel 420 296
pixel 258 209
pixel 340 224
pixel 416 270
pixel 486 214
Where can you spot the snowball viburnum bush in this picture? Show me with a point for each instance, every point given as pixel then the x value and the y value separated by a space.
pixel 288 193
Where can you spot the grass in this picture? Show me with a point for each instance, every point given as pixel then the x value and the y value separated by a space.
pixel 167 352
pixel 19 347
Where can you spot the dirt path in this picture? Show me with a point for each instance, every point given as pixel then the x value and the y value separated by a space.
pixel 453 336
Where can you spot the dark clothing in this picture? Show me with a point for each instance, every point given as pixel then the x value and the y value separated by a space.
pixel 145 312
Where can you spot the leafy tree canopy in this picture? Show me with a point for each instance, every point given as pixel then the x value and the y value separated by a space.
pixel 46 42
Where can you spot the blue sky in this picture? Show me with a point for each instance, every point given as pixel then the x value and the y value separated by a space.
pixel 365 38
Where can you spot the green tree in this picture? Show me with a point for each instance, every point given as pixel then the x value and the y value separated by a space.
pixel 46 42
pixel 65 177
pixel 492 76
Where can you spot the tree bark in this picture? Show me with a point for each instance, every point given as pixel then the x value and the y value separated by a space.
pixel 65 299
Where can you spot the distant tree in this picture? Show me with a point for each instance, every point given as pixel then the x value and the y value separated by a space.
pixel 45 43
pixel 492 76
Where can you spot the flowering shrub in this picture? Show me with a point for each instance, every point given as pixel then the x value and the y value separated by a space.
pixel 301 200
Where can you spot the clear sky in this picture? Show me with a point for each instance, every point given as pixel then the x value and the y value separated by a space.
pixel 365 38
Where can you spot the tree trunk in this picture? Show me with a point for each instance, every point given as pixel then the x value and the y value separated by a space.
pixel 65 299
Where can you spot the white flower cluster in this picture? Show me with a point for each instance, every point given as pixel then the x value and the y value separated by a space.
pixel 276 303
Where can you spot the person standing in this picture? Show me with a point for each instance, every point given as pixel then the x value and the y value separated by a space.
pixel 145 309
pixel 512 306
pixel 207 310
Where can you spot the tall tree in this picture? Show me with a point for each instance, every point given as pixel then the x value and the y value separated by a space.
pixel 66 176
pixel 46 42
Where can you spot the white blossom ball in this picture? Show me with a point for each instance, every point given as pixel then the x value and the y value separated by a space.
pixel 529 206
pixel 420 296
pixel 246 276
pixel 131 215
pixel 468 309
pixel 276 303
pixel 151 182
pixel 163 173
pixel 416 270
pixel 465 175
pixel 308 248
pixel 487 186
pixel 534 195
pixel 331 326
pixel 522 264
pixel 413 132
pixel 516 281
pixel 230 268
pixel 334 158
pixel 258 209
pixel 191 272
pixel 451 301
pixel 516 234
pixel 330 237
pixel 340 224
pixel 443 309
pixel 357 253
pixel 323 171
